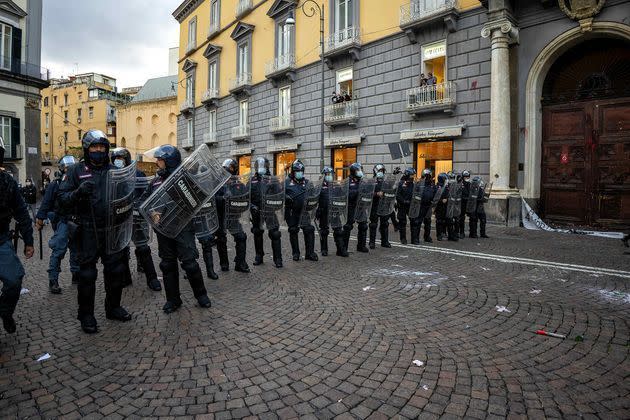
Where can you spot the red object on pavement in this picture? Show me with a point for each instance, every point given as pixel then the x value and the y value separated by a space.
pixel 550 334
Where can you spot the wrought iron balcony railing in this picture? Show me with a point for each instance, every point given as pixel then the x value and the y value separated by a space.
pixel 281 124
pixel 186 105
pixel 242 80
pixel 342 113
pixel 340 40
pixel 432 97
pixel 280 64
pixel 421 10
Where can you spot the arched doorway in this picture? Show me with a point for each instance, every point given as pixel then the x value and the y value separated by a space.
pixel 585 162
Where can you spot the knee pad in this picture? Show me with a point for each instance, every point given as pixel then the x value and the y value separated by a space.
pixel 294 229
pixel 168 266
pixel 275 234
pixel 347 229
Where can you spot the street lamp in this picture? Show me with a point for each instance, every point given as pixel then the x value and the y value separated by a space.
pixel 310 12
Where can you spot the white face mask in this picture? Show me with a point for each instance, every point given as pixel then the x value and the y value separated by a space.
pixel 328 178
pixel 380 174
pixel 119 163
pixel 262 171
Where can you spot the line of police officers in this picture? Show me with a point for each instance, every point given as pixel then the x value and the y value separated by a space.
pixel 77 206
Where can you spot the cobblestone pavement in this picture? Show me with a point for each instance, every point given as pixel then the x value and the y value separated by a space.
pixel 339 338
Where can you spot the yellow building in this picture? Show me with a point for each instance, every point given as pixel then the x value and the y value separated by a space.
pixel 72 106
pixel 150 119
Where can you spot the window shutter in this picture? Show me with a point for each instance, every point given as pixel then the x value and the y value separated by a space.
pixel 16 51
pixel 15 136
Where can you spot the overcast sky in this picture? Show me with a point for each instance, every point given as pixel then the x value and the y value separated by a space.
pixel 124 39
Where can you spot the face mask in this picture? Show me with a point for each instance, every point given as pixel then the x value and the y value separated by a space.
pixel 98 158
pixel 380 175
pixel 119 163
pixel 328 178
pixel 28 184
pixel 299 176
pixel 262 171
pixel 359 174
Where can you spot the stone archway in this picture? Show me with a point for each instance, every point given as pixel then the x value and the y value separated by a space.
pixel 534 89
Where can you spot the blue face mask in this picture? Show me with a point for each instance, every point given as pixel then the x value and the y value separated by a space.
pixel 299 176
pixel 328 178
pixel 119 163
pixel 380 174
pixel 262 171
pixel 359 174
pixel 98 158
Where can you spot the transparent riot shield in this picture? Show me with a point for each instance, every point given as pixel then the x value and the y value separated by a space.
pixel 338 204
pixel 454 205
pixel 272 190
pixel 121 184
pixel 174 203
pixel 471 204
pixel 388 200
pixel 142 232
pixel 236 203
pixel 364 200
pixel 438 195
pixel 416 199
pixel 311 202
pixel 206 221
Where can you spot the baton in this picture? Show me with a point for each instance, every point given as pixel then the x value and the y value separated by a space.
pixel 16 236
pixel 41 246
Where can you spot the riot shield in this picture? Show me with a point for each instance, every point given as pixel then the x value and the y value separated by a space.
pixel 174 203
pixel 236 202
pixel 338 205
pixel 206 221
pixel 142 233
pixel 364 200
pixel 438 195
pixel 272 190
pixel 311 202
pixel 454 205
pixel 121 184
pixel 388 200
pixel 471 204
pixel 416 199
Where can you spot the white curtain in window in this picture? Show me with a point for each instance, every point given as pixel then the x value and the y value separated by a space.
pixel 242 117
pixel 6 32
pixel 284 104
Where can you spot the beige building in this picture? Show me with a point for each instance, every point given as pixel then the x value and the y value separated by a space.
pixel 74 105
pixel 150 119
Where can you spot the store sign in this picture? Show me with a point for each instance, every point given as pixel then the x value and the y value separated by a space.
pixel 432 133
pixel 282 147
pixel 344 75
pixel 241 152
pixel 342 141
pixel 434 50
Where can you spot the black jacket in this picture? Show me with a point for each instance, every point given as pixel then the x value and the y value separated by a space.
pixel 12 206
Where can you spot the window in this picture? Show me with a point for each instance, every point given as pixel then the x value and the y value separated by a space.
pixel 344 14
pixel 65 137
pixel 93 94
pixel 212 76
pixel 284 45
pixel 189 129
pixel 47 120
pixel 79 113
pixel 5 132
pixel 65 117
pixel 244 164
pixel 91 112
pixel 282 162
pixel 189 87
pixel 80 96
pixel 192 33
pixel 284 102
pixel 79 134
pixel 46 101
pixel 433 63
pixel 435 155
pixel 212 121
pixel 342 159
pixel 215 16
pixel 242 113
pixel 65 99
pixel 344 82
pixel 6 41
pixel 243 59
pixel 46 138
pixel 55 100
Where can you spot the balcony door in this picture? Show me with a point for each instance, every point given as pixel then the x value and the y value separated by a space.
pixel 344 15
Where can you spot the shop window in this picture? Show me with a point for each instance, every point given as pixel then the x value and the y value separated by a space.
pixel 244 164
pixel 342 159
pixel 433 63
pixel 282 162
pixel 436 155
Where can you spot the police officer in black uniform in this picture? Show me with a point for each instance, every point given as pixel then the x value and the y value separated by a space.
pixel 83 194
pixel 356 174
pixel 321 214
pixel 121 158
pixel 183 247
pixel 379 174
pixel 425 209
pixel 240 239
pixel 262 170
pixel 403 200
pixel 479 214
pixel 440 208
pixel 12 206
pixel 465 195
pixel 29 192
pixel 295 194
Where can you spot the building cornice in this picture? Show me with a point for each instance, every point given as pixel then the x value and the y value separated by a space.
pixel 185 9
pixel 12 8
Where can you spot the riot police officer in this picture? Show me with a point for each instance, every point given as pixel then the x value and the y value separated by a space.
pixel 59 242
pixel 240 238
pixel 257 183
pixel 12 206
pixel 121 158
pixel 465 195
pixel 321 213
pixel 83 194
pixel 479 213
pixel 29 192
pixel 182 247
pixel 295 188
pixel 379 174
pixel 440 208
pixel 403 199
pixel 356 175
pixel 426 204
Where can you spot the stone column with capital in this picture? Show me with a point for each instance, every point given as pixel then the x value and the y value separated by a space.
pixel 501 34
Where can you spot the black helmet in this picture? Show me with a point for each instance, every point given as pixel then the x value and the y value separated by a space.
pixel 327 170
pixel 409 172
pixel 66 161
pixel 91 138
pixel 426 173
pixel 121 153
pixel 379 167
pixel 442 178
pixel 171 157
pixel 476 180
pixel 458 177
pixel 466 173
pixel 297 166
pixel 231 166
pixel 262 162
pixel 451 175
pixel 356 170
pixel 1 151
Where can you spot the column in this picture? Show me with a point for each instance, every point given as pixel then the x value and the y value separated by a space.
pixel 502 33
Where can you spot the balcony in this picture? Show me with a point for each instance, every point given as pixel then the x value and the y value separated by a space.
pixel 243 7
pixel 186 106
pixel 186 143
pixel 210 97
pixel 433 98
pixel 240 133
pixel 24 72
pixel 281 67
pixel 213 29
pixel 281 125
pixel 210 138
pixel 241 84
pixel 342 113
pixel 341 43
pixel 420 13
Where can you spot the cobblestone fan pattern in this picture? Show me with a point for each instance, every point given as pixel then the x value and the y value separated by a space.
pixel 338 339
